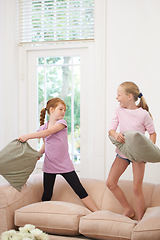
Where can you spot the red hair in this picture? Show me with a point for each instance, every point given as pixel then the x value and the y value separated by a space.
pixel 53 102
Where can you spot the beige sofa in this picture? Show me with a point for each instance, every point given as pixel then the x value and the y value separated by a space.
pixel 65 217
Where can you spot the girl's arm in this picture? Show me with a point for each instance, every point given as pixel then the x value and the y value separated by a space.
pixel 152 137
pixel 118 136
pixel 42 134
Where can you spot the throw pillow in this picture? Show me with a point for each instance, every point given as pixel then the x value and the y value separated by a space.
pixel 138 147
pixel 17 162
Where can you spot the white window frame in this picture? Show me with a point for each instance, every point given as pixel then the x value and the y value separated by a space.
pixel 28 113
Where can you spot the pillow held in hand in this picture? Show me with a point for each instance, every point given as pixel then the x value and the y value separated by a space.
pixel 17 162
pixel 138 147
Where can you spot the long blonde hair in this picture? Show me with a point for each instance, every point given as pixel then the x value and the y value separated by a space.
pixel 53 102
pixel 132 88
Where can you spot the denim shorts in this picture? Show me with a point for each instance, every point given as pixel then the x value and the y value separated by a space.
pixel 126 159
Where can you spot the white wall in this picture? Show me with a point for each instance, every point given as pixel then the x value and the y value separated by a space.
pixel 133 53
pixel 8 72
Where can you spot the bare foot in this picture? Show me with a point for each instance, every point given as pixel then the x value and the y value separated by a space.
pixel 128 213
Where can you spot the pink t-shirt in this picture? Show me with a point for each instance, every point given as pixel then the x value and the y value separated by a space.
pixel 132 120
pixel 57 159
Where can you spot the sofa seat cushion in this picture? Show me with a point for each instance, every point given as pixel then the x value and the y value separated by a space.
pixel 149 227
pixel 106 225
pixel 53 217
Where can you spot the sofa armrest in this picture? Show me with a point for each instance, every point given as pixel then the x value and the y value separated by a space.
pixel 149 226
pixel 11 199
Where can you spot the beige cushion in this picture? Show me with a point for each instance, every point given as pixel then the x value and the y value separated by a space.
pixel 149 227
pixel 17 162
pixel 53 217
pixel 138 147
pixel 106 225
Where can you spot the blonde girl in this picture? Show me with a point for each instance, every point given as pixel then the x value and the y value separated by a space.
pixel 57 160
pixel 129 116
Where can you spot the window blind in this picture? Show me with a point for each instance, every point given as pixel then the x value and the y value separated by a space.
pixel 55 20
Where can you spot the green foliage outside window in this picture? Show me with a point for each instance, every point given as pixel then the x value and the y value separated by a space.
pixel 60 77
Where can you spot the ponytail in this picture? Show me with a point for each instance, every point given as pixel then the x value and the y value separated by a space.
pixel 143 105
pixel 132 88
pixel 42 116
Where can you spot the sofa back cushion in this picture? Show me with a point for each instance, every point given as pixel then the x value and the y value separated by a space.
pixel 155 198
pixel 103 197
pixel 63 192
pixel 110 203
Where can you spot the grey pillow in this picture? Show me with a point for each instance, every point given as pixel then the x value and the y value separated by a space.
pixel 138 147
pixel 17 162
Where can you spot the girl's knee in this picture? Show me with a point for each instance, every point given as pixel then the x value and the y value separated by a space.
pixel 111 184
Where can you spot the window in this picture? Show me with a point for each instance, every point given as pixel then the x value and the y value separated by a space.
pixel 46 65
pixel 60 77
pixel 55 20
pixel 92 85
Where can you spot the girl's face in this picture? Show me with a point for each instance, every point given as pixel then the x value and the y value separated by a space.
pixel 122 97
pixel 59 111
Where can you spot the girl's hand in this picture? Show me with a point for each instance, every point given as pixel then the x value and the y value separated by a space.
pixel 153 137
pixel 119 137
pixel 23 138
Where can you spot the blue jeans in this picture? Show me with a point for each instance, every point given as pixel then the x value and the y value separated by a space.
pixel 126 159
